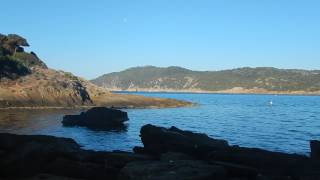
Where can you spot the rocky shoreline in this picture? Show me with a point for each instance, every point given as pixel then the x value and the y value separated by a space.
pixel 167 154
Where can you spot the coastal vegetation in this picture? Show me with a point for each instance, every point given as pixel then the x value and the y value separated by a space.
pixel 240 80
pixel 27 82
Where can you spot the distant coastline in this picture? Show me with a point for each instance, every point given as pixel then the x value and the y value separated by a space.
pixel 229 91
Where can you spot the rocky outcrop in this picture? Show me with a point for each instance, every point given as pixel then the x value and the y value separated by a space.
pixel 97 118
pixel 315 149
pixel 46 88
pixel 157 140
pixel 27 156
pixel 238 161
pixel 26 82
pixel 172 170
pixel 36 157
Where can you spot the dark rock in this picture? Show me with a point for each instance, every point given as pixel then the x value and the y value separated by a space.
pixel 158 140
pixel 315 149
pixel 97 118
pixel 173 156
pixel 35 154
pixel 48 177
pixel 28 154
pixel 138 150
pixel 266 162
pixel 173 170
pixel 80 169
pixel 121 159
pixel 316 177
pixel 235 170
pixel 10 142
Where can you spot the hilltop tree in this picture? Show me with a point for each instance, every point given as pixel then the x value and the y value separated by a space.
pixel 11 44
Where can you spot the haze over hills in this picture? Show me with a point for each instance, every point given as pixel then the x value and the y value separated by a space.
pixel 240 80
pixel 26 81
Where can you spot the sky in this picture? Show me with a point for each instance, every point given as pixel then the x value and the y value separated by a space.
pixel 91 38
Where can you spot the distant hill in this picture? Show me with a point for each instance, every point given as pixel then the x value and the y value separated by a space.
pixel 240 80
pixel 26 81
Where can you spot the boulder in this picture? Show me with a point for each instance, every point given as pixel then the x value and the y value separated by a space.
pixel 239 171
pixel 29 154
pixel 315 149
pixel 158 140
pixel 49 177
pixel 173 156
pixel 263 161
pixel 171 170
pixel 80 169
pixel 97 118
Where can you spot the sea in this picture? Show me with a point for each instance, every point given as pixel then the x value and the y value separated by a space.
pixel 282 123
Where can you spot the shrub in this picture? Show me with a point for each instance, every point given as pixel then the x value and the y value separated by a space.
pixel 11 68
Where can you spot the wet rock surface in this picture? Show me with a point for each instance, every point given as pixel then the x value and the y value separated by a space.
pixel 167 154
pixel 97 118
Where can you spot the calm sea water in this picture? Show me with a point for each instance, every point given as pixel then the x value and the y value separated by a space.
pixel 246 120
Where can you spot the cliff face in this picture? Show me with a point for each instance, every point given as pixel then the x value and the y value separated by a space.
pixel 43 87
pixel 241 80
pixel 25 81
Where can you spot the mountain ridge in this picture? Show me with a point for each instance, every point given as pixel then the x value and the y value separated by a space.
pixel 238 80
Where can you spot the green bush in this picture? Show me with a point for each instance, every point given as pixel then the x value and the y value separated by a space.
pixel 12 68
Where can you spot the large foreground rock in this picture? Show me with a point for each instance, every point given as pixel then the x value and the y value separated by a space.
pixel 26 156
pixel 176 154
pixel 97 117
pixel 172 170
pixel 238 161
pixel 158 140
pixel 315 149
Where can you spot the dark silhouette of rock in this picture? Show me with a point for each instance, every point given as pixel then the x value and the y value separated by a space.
pixel 315 149
pixel 97 118
pixel 236 170
pixel 267 162
pixel 172 170
pixel 158 140
pixel 173 156
pixel 238 161
pixel 182 155
pixel 26 156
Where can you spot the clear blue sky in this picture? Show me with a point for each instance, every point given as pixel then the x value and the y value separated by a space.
pixel 90 38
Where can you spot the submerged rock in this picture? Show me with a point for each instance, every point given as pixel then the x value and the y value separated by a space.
pixel 97 118
pixel 158 140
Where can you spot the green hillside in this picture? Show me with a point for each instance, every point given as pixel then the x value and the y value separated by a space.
pixel 177 78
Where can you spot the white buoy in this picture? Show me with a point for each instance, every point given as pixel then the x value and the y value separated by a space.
pixel 271 103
